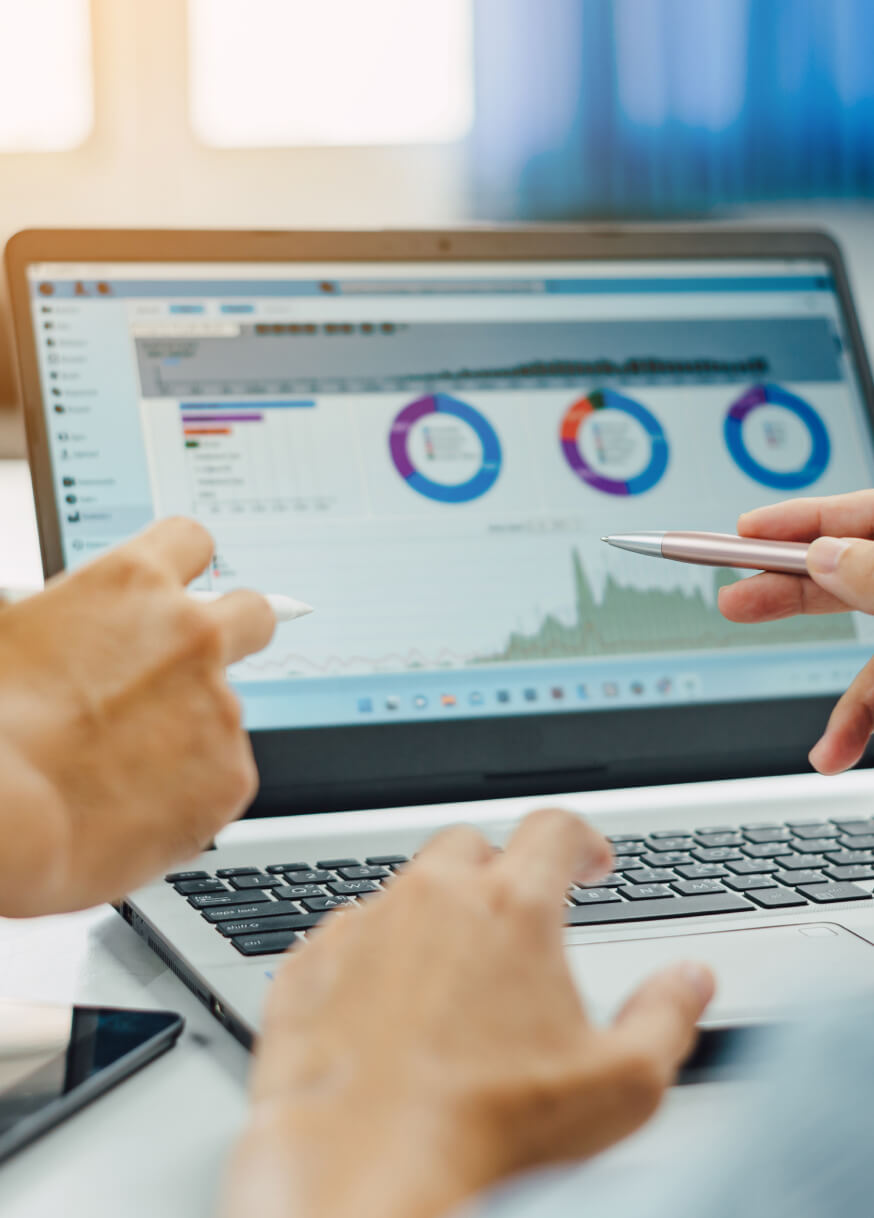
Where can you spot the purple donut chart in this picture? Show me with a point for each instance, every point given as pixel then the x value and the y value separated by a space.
pixel 585 409
pixel 782 480
pixel 441 403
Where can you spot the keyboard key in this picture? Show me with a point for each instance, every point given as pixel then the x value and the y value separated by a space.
pixel 176 876
pixel 649 875
pixel 834 891
pixel 857 843
pixel 264 945
pixel 227 872
pixel 660 844
pixel 775 898
pixel 716 854
pixel 666 858
pixel 761 824
pixel 386 860
pixel 751 866
pixel 859 871
pixel 846 858
pixel 717 829
pixel 252 909
pixel 688 888
pixel 775 833
pixel 814 845
pixel 188 887
pixel 362 873
pixel 855 828
pixel 743 883
pixel 323 904
pixel 767 850
pixel 352 888
pixel 316 876
pixel 257 880
pixel 297 892
pixel 615 880
pixel 615 838
pixel 253 926
pixel 646 892
pixel 593 896
pixel 336 864
pixel 702 871
pixel 797 878
pixel 817 830
pixel 645 911
pixel 704 838
pixel 210 900
pixel 662 833
pixel 280 868
pixel 801 862
pixel 630 847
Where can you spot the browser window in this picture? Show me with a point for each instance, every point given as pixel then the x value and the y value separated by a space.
pixel 430 454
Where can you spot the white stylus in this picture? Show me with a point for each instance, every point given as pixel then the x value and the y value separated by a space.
pixel 286 608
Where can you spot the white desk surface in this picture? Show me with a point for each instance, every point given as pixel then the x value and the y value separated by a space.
pixel 155 1146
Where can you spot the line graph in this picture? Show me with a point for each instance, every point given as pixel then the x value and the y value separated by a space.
pixel 626 620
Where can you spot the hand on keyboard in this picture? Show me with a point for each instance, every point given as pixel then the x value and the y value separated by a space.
pixel 841 565
pixel 427 1044
pixel 121 749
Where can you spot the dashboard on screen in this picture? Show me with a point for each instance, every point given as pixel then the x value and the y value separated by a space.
pixel 430 454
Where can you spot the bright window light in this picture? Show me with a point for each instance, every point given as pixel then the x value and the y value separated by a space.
pixel 273 73
pixel 46 92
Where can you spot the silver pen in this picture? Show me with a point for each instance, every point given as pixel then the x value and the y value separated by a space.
pixel 286 608
pixel 717 550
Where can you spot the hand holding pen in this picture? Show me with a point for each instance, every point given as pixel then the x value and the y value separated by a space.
pixel 836 533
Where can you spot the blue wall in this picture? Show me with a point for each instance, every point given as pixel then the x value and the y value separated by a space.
pixel 660 107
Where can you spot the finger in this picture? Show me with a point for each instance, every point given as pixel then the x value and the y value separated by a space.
pixel 849 727
pixel 844 566
pixel 457 844
pixel 177 543
pixel 849 515
pixel 770 597
pixel 550 850
pixel 247 623
pixel 659 1019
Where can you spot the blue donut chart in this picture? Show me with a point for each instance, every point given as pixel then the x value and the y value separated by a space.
pixel 780 480
pixel 463 492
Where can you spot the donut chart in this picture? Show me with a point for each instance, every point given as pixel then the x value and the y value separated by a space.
pixel 782 480
pixel 609 399
pixel 442 404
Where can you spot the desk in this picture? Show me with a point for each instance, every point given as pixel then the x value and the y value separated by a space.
pixel 156 1145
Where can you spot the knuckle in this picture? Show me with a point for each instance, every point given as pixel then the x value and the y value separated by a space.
pixel 229 709
pixel 133 568
pixel 641 1083
pixel 184 527
pixel 198 630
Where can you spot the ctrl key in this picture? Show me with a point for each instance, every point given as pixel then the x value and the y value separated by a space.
pixel 264 945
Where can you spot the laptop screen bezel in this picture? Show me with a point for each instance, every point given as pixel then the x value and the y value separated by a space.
pixel 341 768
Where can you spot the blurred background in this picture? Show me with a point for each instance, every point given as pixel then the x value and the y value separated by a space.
pixel 285 113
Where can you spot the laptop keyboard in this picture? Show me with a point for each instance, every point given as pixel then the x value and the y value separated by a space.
pixel 665 874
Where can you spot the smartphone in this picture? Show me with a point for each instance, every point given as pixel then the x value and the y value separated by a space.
pixel 56 1059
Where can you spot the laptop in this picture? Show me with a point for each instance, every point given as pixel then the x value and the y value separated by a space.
pixel 425 435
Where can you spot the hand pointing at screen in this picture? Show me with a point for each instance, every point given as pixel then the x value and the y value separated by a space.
pixel 841 577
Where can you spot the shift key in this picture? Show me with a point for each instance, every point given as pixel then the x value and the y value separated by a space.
pixel 254 926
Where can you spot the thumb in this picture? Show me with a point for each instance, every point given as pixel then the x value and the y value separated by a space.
pixel 844 566
pixel 659 1019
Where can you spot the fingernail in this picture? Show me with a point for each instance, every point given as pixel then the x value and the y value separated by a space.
pixel 698 977
pixel 815 756
pixel 825 554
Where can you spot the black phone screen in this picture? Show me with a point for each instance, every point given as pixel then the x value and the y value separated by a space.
pixel 48 1052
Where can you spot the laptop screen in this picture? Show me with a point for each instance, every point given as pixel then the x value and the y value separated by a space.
pixel 429 454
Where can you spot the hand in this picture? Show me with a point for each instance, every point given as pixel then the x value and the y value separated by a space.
pixel 423 1047
pixel 121 747
pixel 841 567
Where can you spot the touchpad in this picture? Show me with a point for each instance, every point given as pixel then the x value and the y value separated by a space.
pixel 761 972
